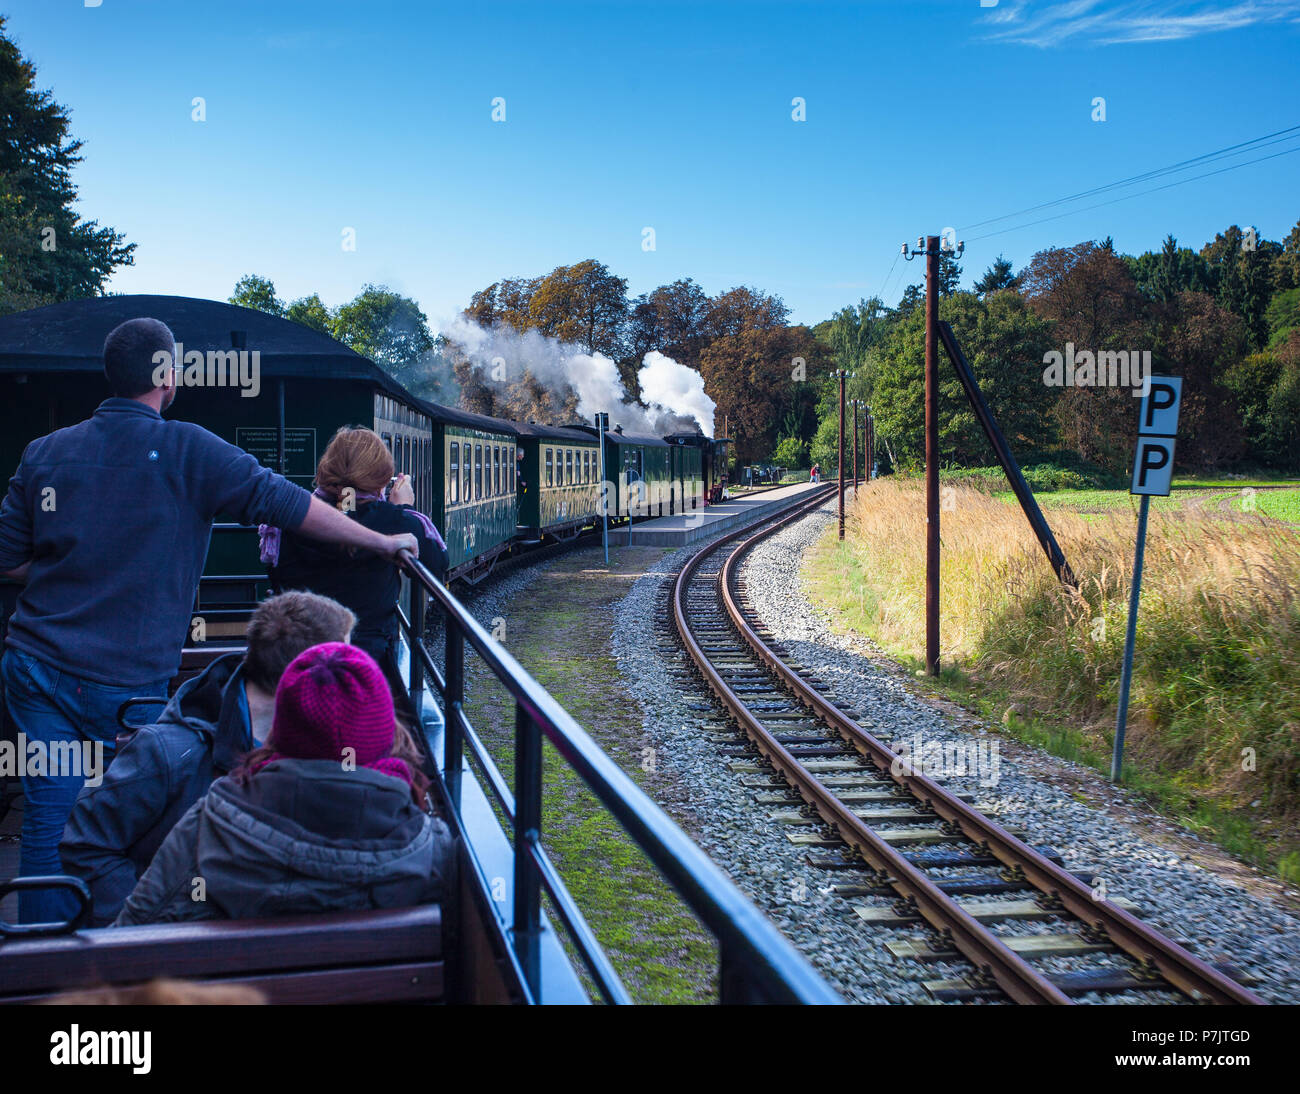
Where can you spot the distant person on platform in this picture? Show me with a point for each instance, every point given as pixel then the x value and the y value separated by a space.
pixel 815 474
pixel 107 525
pixel 354 474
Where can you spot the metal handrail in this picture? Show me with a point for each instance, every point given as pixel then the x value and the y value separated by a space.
pixel 758 964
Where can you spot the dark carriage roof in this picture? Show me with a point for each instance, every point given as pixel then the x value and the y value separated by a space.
pixel 646 440
pixel 450 415
pixel 69 337
pixel 555 432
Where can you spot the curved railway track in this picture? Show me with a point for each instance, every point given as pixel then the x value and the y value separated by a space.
pixel 925 845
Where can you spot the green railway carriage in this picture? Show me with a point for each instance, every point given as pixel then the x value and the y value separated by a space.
pixel 639 467
pixel 687 466
pixel 474 505
pixel 559 480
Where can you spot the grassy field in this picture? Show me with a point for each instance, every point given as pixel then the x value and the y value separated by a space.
pixel 1278 504
pixel 561 633
pixel 1214 736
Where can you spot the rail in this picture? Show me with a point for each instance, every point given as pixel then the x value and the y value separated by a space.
pixel 757 964
pixel 1021 981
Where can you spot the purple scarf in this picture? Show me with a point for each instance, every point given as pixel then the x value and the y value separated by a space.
pixel 268 536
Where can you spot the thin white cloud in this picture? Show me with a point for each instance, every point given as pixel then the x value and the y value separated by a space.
pixel 1110 22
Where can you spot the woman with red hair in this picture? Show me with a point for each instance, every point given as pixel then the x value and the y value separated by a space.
pixel 354 475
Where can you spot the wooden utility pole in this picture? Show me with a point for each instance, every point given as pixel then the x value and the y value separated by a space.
pixel 855 446
pixel 871 444
pixel 841 374
pixel 932 455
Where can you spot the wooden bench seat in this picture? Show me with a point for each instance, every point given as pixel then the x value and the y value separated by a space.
pixel 393 956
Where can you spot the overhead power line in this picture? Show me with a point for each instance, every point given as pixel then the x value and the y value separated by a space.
pixel 1140 193
pixel 1257 143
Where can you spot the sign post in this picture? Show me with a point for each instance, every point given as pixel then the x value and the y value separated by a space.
pixel 1153 472
pixel 602 424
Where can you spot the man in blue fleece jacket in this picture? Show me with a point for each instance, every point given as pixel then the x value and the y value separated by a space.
pixel 107 524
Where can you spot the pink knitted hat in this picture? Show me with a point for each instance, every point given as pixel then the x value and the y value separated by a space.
pixel 334 697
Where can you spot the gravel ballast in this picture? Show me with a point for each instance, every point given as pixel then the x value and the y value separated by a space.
pixel 1216 918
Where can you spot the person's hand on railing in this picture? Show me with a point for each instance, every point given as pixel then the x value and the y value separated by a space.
pixel 403 541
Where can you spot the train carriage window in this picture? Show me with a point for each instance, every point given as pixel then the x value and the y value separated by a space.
pixel 568 466
pixel 586 466
pixel 496 469
pixel 549 466
pixel 422 475
pixel 453 474
pixel 478 471
pixel 466 494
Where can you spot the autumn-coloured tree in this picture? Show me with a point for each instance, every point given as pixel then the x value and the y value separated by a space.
pixel 583 305
pixel 1093 301
pixel 751 376
pixel 505 301
pixel 743 309
pixel 1200 341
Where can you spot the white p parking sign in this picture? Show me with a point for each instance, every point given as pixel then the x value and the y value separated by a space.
pixel 1153 465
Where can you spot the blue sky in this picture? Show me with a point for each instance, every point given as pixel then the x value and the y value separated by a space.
pixel 329 114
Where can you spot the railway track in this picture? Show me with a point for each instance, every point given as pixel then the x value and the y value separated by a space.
pixel 937 859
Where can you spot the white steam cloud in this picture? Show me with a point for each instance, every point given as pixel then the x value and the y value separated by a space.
pixel 673 394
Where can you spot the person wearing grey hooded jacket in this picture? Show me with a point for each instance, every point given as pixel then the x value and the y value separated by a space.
pixel 328 816
pixel 303 836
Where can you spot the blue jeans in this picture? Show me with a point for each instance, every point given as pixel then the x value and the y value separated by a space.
pixel 68 719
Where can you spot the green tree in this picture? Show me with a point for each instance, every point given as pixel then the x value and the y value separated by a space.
pixel 1286 267
pixel 311 311
pixel 1243 278
pixel 1000 275
pixel 1162 276
pixel 913 299
pixel 949 274
pixel 791 453
pixel 1004 341
pixel 1282 315
pixel 678 312
pixel 47 252
pixel 392 331
pixel 258 293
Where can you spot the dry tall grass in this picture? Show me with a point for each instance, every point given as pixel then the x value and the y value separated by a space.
pixel 1216 691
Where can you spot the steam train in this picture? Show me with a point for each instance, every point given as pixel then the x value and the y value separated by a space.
pixel 493 487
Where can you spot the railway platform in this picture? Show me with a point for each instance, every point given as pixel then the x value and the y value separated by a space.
pixel 683 528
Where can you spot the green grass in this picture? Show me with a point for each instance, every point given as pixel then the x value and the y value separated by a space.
pixel 1278 504
pixel 660 950
pixel 1216 678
